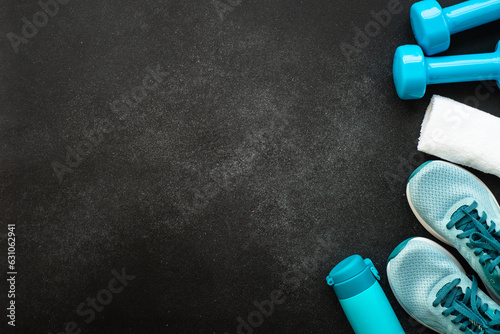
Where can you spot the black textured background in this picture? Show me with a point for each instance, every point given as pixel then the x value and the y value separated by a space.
pixel 263 152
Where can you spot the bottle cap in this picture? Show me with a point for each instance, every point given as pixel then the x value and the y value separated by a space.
pixel 352 276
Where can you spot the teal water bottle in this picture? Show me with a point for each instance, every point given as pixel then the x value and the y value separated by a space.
pixel 355 282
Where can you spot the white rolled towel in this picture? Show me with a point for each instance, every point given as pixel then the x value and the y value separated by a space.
pixel 461 134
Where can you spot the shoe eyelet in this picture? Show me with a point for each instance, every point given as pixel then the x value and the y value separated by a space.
pixel 492 281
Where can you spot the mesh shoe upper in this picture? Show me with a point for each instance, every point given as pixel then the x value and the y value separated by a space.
pixel 436 191
pixel 418 272
pixel 438 186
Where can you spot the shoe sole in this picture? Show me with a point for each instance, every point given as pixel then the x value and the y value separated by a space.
pixel 439 236
pixel 445 251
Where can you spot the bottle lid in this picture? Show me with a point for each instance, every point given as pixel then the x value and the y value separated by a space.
pixel 352 276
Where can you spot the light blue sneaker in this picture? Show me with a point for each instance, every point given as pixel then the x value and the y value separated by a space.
pixel 431 286
pixel 458 209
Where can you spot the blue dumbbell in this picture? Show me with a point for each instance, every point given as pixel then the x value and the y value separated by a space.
pixel 433 25
pixel 413 71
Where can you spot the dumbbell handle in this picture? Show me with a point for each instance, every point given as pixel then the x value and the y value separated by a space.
pixel 470 14
pixel 476 67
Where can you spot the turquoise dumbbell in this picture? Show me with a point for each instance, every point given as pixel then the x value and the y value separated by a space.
pixel 433 25
pixel 413 71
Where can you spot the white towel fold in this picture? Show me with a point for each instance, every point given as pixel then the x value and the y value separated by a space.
pixel 461 134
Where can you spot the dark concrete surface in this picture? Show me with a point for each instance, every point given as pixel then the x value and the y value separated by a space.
pixel 257 158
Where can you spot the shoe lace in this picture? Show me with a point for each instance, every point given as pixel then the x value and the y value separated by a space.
pixel 482 237
pixel 468 308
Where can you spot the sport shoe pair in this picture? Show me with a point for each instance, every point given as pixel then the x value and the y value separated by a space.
pixel 459 210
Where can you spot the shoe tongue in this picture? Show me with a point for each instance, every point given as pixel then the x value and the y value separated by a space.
pixel 458 211
pixel 445 281
pixel 444 286
pixel 458 296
